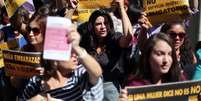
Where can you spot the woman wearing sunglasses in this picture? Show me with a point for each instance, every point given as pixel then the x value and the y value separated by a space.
pixel 184 49
pixel 77 79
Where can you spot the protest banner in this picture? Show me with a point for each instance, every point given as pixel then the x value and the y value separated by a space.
pixel 12 44
pixel 93 4
pixel 56 46
pixel 12 5
pixel 84 14
pixel 21 64
pixel 178 91
pixel 86 7
pixel 159 11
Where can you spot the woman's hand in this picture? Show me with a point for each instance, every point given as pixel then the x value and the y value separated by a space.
pixel 74 37
pixel 73 3
pixel 144 21
pixel 123 95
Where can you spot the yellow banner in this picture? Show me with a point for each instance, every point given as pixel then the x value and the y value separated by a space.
pixel 12 5
pixel 176 91
pixel 13 44
pixel 84 14
pixel 93 4
pixel 159 11
pixel 21 64
pixel 86 7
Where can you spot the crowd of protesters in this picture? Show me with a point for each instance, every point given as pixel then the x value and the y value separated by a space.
pixel 110 51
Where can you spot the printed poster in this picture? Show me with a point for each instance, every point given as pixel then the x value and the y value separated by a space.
pixel 56 45
pixel 84 14
pixel 12 44
pixel 178 91
pixel 86 7
pixel 93 4
pixel 21 64
pixel 159 11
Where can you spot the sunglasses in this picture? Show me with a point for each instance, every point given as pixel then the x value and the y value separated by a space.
pixel 36 31
pixel 180 35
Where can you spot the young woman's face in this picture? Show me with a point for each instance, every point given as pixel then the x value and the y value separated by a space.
pixel 36 31
pixel 161 58
pixel 177 33
pixel 101 26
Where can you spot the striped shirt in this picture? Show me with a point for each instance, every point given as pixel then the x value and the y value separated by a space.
pixel 78 88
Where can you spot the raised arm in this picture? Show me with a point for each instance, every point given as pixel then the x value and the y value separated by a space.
pixel 145 25
pixel 126 24
pixel 91 65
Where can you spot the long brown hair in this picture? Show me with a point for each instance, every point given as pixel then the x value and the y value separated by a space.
pixel 144 69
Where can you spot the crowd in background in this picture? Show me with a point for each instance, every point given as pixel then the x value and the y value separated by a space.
pixel 115 48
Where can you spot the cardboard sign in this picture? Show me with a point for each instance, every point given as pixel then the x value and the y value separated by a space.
pixel 159 11
pixel 56 46
pixel 21 64
pixel 178 91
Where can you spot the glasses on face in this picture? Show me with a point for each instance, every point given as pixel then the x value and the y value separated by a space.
pixel 180 35
pixel 35 31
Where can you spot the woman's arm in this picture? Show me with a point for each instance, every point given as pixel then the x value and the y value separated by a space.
pixel 145 25
pixel 126 24
pixel 91 65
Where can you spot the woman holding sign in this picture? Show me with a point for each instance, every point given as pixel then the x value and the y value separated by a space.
pixel 158 64
pixel 73 81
